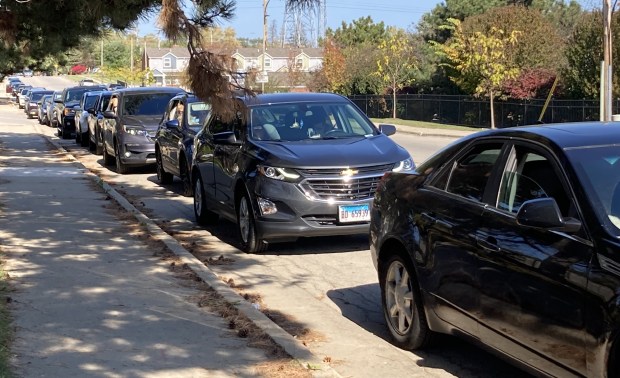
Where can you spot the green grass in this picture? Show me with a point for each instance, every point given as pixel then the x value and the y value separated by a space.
pixel 427 125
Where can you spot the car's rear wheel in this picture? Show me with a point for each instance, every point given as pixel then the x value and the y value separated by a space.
pixel 185 178
pixel 98 142
pixel 84 139
pixel 402 304
pixel 203 215
pixel 91 144
pixel 78 137
pixel 163 176
pixel 250 242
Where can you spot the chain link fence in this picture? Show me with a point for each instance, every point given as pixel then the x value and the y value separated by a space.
pixel 475 112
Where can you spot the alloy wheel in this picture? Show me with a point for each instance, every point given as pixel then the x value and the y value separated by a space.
pixel 399 298
pixel 244 219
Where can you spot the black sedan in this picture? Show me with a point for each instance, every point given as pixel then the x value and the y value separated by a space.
pixel 174 139
pixel 510 238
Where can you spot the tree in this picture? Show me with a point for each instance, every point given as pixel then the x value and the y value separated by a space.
pixel 581 76
pixel 480 59
pixel 33 30
pixel 396 62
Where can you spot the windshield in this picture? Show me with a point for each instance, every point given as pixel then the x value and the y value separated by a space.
pixel 36 96
pixel 598 169
pixel 308 121
pixel 146 104
pixel 76 94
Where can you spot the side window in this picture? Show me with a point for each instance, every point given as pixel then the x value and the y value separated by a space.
pixel 218 126
pixel 470 173
pixel 172 110
pixel 113 105
pixel 530 175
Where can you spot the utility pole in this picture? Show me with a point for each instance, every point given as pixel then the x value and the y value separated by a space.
pixel 264 73
pixel 606 67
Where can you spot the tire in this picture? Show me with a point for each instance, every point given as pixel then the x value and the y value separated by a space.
pixel 185 178
pixel 402 304
pixel 98 142
pixel 84 139
pixel 78 137
pixel 203 215
pixel 91 144
pixel 250 243
pixel 120 167
pixel 164 177
pixel 107 159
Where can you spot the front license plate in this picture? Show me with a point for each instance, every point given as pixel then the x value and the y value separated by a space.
pixel 354 213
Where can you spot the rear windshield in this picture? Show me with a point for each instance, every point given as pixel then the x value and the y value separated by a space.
pixel 146 104
pixel 36 96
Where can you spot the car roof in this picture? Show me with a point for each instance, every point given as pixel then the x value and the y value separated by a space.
pixel 140 90
pixel 282 98
pixel 563 135
pixel 91 87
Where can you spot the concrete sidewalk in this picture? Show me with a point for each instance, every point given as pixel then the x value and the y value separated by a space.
pixel 91 299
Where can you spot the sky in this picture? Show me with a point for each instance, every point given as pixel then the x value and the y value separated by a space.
pixel 248 20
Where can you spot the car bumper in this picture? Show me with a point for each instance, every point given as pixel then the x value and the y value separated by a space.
pixel 33 112
pixel 68 124
pixel 138 154
pixel 299 215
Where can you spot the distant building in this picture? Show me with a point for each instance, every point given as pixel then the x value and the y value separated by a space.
pixel 167 64
pixel 285 67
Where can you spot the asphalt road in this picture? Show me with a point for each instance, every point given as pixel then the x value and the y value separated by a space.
pixel 328 286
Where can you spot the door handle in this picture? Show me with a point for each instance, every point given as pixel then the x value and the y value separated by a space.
pixel 488 243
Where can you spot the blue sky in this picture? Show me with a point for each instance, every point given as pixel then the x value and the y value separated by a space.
pixel 248 20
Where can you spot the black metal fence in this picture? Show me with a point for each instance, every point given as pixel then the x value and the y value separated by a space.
pixel 470 111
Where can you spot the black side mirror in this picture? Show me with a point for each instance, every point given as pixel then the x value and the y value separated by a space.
pixel 545 213
pixel 109 114
pixel 387 129
pixel 226 138
pixel 91 110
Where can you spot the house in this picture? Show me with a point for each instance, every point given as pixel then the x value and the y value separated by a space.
pixel 283 67
pixel 167 64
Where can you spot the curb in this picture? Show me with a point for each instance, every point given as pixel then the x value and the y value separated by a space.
pixel 291 345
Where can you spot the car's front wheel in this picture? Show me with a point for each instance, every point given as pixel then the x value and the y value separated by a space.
pixel 402 304
pixel 107 159
pixel 250 242
pixel 121 168
pixel 185 177
pixel 203 215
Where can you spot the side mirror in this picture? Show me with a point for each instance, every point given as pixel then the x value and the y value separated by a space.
pixel 91 111
pixel 172 124
pixel 545 213
pixel 387 129
pixel 58 100
pixel 109 114
pixel 226 138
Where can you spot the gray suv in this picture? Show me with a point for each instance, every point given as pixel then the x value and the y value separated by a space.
pixel 130 124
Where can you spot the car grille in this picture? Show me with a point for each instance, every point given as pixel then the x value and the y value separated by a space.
pixel 330 184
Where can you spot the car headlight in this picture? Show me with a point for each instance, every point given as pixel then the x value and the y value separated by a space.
pixel 404 165
pixel 134 130
pixel 282 174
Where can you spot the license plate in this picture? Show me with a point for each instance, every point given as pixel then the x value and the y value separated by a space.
pixel 353 213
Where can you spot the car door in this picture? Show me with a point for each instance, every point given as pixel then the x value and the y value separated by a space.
pixel 454 203
pixel 533 280
pixel 109 123
pixel 172 137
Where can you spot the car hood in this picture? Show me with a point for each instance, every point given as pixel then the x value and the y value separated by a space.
pixel 150 123
pixel 375 150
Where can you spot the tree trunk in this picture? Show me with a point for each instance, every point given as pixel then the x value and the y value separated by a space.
pixel 394 101
pixel 492 111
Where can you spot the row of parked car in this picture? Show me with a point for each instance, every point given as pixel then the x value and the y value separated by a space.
pixel 509 238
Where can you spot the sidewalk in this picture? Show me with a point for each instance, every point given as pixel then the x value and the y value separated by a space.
pixel 91 299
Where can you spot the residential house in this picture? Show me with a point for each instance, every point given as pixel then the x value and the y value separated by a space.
pixel 286 68
pixel 167 64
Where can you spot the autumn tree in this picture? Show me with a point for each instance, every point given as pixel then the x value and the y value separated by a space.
pixel 396 62
pixel 480 59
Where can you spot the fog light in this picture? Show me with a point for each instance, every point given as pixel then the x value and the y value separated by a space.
pixel 127 154
pixel 266 207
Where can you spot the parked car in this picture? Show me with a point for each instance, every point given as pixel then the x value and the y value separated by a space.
pixel 21 95
pixel 81 116
pixel 52 111
pixel 174 139
pixel 11 83
pixel 130 124
pixel 64 108
pixel 291 165
pixel 27 72
pixel 46 102
pixel 34 101
pixel 26 98
pixel 95 122
pixel 509 238
pixel 86 82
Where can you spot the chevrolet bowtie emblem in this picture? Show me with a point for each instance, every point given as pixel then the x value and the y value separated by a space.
pixel 349 172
